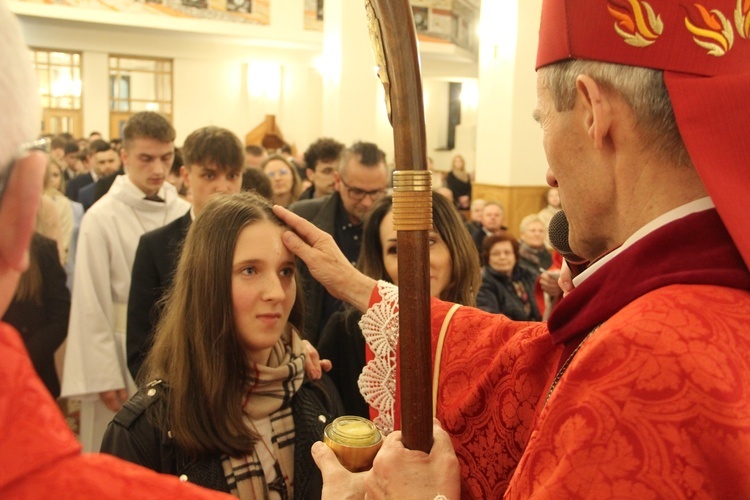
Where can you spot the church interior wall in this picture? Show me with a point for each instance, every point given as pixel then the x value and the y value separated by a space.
pixel 213 75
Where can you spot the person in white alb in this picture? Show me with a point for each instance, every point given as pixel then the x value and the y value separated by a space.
pixel 95 363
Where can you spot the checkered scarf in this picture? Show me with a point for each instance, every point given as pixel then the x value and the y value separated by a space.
pixel 270 391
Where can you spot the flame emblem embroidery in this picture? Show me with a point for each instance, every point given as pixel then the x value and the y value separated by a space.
pixel 742 18
pixel 638 25
pixel 715 35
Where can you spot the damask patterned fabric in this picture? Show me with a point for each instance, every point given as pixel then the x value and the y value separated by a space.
pixel 489 404
pixel 654 404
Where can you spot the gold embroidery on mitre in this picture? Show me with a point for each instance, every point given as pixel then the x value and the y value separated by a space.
pixel 716 36
pixel 639 26
pixel 742 18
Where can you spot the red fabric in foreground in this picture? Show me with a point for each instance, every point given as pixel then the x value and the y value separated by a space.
pixel 40 457
pixel 655 404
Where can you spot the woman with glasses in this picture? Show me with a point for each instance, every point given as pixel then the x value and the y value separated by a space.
pixel 224 401
pixel 285 180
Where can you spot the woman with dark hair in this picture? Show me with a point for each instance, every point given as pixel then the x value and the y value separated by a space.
pixel 254 179
pixel 454 277
pixel 507 286
pixel 41 308
pixel 226 404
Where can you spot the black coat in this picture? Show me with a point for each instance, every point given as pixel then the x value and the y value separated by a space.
pixel 44 326
pixel 153 269
pixel 342 342
pixel 322 213
pixel 102 185
pixel 458 188
pixel 497 294
pixel 76 183
pixel 133 436
pixel 86 196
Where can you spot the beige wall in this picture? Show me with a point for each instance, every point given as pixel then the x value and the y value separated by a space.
pixel 210 84
pixel 211 80
pixel 509 142
pixel 500 141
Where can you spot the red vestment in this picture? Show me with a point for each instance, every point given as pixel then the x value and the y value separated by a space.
pixel 654 404
pixel 40 457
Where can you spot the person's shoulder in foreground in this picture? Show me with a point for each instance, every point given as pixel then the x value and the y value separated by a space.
pixel 41 454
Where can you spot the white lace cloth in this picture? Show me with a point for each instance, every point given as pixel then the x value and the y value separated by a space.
pixel 377 382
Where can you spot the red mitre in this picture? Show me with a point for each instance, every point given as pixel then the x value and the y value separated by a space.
pixel 703 47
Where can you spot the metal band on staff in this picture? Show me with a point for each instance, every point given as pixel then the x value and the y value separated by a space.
pixel 412 200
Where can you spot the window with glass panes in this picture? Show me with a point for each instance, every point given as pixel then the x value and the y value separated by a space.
pixel 60 90
pixel 140 84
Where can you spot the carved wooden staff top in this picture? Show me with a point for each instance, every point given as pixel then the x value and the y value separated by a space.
pixel 394 42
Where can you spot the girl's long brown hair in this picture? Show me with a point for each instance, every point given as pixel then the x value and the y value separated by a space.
pixel 197 350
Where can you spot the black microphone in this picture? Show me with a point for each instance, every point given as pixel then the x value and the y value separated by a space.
pixel 558 237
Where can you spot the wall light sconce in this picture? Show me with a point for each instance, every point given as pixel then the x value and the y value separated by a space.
pixel 469 94
pixel 264 80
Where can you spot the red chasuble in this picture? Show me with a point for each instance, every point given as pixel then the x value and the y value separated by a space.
pixel 40 457
pixel 655 403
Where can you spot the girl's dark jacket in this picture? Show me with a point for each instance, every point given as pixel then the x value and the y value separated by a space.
pixel 133 436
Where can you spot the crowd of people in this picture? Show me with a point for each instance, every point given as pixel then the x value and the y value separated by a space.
pixel 220 304
pixel 119 252
pixel 119 248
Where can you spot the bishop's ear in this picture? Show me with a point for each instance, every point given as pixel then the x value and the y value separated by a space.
pixel 18 208
pixel 597 108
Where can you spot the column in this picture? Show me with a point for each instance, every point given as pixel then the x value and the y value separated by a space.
pixel 353 107
pixel 509 142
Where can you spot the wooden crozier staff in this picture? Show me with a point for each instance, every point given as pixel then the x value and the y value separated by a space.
pixel 394 42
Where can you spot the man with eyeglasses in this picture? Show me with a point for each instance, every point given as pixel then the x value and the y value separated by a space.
pixel 361 180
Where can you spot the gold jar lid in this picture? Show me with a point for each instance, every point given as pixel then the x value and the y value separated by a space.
pixel 354 440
